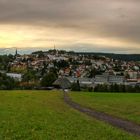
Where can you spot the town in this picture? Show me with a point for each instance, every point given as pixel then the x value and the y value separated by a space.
pixel 62 69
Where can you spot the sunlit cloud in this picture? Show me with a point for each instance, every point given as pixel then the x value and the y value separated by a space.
pixel 109 25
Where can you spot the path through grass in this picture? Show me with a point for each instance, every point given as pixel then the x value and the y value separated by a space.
pixel 42 115
pixel 126 106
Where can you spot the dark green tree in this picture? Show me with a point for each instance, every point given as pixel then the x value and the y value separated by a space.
pixel 29 76
pixel 76 86
pixel 48 79
pixel 7 83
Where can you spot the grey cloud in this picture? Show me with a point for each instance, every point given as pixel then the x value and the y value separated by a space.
pixel 117 19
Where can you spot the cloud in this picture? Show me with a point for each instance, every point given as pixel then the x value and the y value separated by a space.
pixel 115 21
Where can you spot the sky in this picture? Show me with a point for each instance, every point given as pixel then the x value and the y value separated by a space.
pixel 79 25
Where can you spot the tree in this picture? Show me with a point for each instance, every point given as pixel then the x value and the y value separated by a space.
pixel 39 53
pixel 6 83
pixel 61 64
pixel 76 86
pixel 48 79
pixel 4 61
pixel 29 80
pixel 101 88
pixel 92 73
pixel 29 76
pixel 122 88
pixel 127 76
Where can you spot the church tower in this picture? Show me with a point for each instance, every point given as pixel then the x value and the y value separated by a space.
pixel 16 52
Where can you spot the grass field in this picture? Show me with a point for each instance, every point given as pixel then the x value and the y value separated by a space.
pixel 42 115
pixel 126 106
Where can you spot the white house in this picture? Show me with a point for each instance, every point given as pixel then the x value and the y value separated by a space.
pixel 101 79
pixel 115 79
pixel 15 76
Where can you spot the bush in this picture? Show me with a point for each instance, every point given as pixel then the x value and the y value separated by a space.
pixel 90 89
pixel 76 86
pixel 117 88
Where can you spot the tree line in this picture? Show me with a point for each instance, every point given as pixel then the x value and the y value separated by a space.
pixel 117 88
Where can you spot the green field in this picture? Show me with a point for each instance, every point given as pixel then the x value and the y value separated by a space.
pixel 43 115
pixel 126 106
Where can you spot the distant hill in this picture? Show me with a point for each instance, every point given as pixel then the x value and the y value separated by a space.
pixel 125 57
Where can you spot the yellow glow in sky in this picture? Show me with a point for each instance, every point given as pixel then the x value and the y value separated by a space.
pixel 34 36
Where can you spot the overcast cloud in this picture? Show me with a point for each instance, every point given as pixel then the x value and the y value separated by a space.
pixel 100 25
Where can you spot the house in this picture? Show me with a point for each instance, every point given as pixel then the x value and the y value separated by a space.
pixel 113 79
pixel 84 82
pixel 109 79
pixel 132 74
pixel 101 79
pixel 131 82
pixel 17 77
pixel 63 83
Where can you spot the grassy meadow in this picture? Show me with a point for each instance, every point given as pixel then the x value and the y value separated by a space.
pixel 43 115
pixel 126 106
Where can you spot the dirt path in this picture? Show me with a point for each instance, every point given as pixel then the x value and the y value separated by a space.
pixel 114 121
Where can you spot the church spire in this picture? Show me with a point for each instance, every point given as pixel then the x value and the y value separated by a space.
pixel 16 52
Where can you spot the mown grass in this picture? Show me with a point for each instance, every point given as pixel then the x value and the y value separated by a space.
pixel 42 115
pixel 126 106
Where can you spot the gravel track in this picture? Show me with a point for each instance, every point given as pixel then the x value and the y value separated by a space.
pixel 114 121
